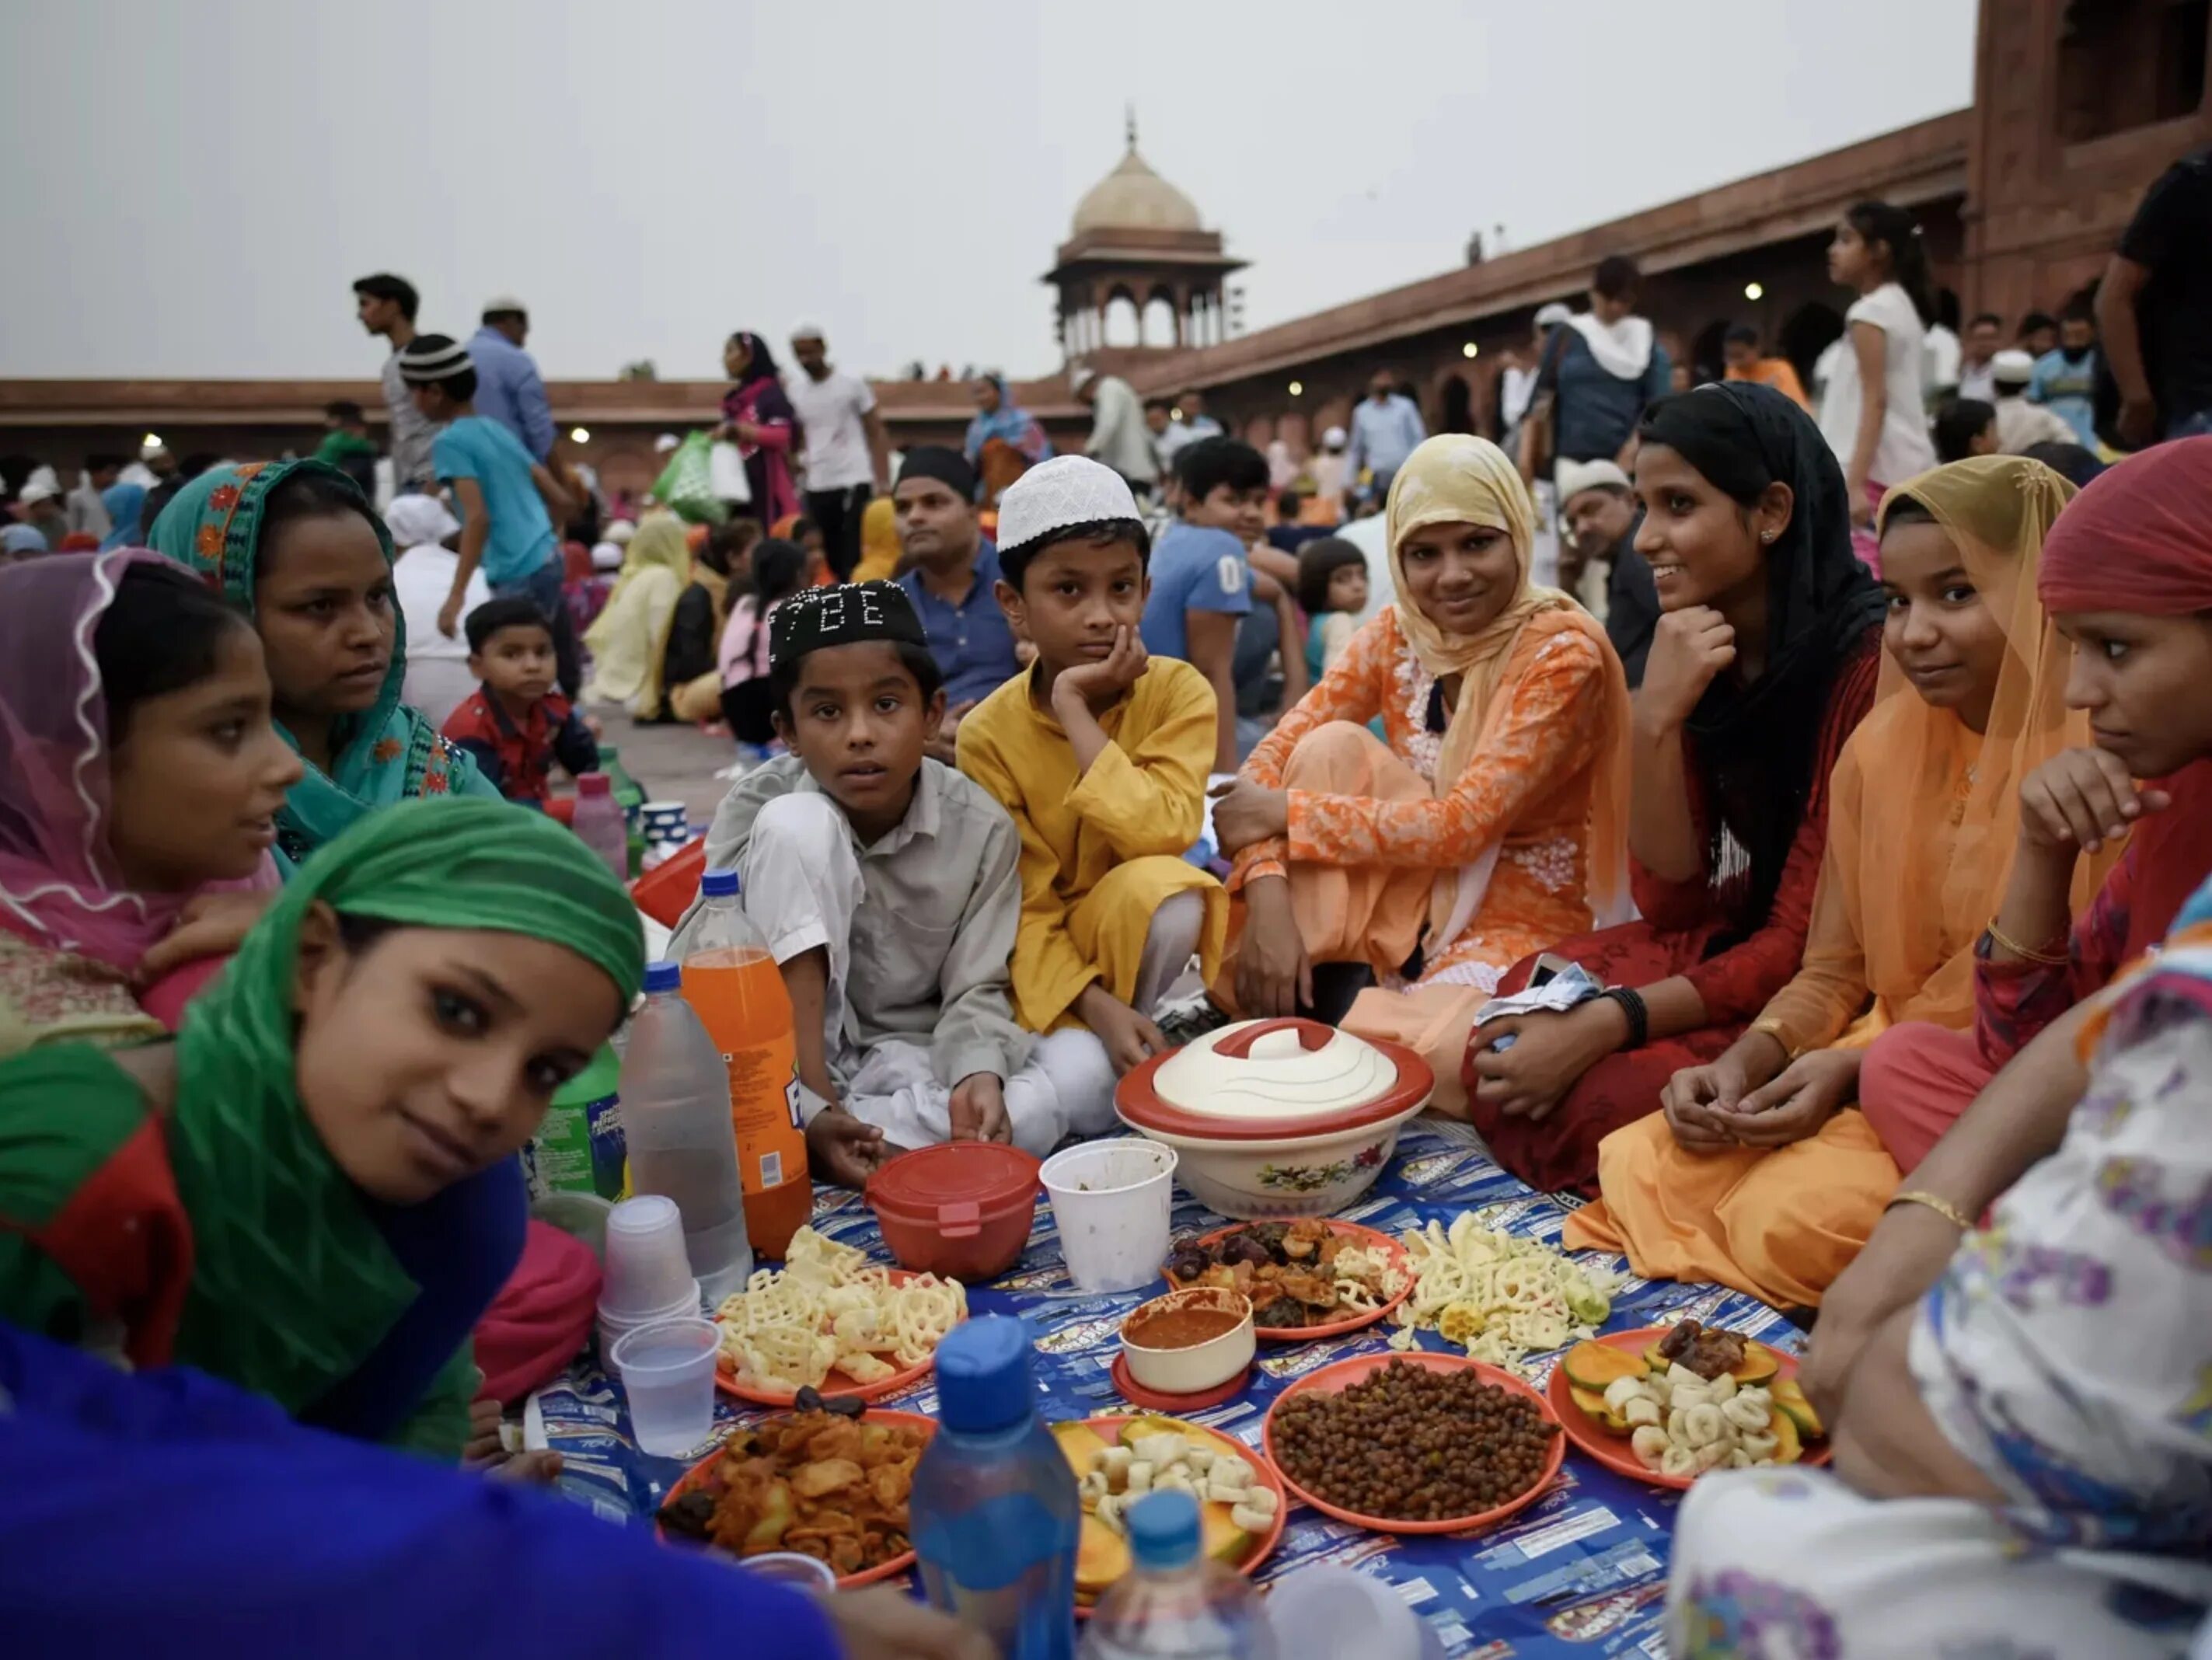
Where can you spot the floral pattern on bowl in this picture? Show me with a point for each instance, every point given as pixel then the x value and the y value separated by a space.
pixel 1307 1178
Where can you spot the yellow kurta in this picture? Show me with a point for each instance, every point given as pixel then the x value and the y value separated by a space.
pixel 1102 851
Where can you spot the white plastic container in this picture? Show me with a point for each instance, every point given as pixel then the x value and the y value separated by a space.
pixel 647 1265
pixel 1323 1612
pixel 1111 1200
pixel 676 1117
pixel 667 1372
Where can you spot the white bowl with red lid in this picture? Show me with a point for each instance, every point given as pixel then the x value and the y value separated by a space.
pixel 1278 1119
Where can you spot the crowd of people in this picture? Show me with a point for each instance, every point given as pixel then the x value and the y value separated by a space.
pixel 1786 885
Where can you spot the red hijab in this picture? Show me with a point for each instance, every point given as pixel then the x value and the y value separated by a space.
pixel 2139 538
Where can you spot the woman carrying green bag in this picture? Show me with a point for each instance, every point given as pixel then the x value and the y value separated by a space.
pixel 313 1192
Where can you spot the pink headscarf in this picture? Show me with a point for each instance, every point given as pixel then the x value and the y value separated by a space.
pixel 58 884
pixel 2137 538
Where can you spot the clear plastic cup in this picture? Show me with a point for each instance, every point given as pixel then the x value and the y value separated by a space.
pixel 667 1371
pixel 647 1267
pixel 1111 1200
pixel 615 1325
pixel 795 1569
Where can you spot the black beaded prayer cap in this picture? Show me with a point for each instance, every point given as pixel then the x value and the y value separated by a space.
pixel 815 619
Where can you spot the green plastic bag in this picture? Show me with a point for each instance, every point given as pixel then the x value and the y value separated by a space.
pixel 686 485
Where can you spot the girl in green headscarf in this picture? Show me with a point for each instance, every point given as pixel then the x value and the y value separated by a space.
pixel 296 546
pixel 313 1191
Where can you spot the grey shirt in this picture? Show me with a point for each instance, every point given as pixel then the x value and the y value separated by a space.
pixel 412 433
pixel 935 929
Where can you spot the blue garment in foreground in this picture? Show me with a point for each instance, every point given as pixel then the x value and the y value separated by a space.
pixel 169 1514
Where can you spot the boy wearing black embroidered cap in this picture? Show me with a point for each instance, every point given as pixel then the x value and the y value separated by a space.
pixel 888 888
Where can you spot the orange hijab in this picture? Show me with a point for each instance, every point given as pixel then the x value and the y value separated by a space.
pixel 1453 478
pixel 1920 846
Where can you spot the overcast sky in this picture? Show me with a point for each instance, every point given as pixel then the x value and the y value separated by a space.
pixel 190 188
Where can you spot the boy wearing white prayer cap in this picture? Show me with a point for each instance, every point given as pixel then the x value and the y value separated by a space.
pixel 1100 753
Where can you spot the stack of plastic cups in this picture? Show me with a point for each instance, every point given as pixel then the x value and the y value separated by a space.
pixel 649 1277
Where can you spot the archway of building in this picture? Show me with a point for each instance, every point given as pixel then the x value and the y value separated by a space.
pixel 1292 430
pixel 1806 333
pixel 1455 404
pixel 1123 326
pixel 1708 361
pixel 1158 322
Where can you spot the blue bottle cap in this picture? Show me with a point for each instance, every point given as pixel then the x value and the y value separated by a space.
pixel 983 1375
pixel 663 976
pixel 1164 1529
pixel 719 883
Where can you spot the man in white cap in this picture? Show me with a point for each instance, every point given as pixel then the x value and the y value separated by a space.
pixel 1600 565
pixel 847 460
pixel 508 388
pixel 1326 466
pixel 2021 425
pixel 1118 434
pixel 42 507
pixel 1516 386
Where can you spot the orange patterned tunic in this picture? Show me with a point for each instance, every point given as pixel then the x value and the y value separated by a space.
pixel 1527 791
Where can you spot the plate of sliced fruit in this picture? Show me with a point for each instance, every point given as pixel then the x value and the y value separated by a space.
pixel 1116 1461
pixel 1665 1404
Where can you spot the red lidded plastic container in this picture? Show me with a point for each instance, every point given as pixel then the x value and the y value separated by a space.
pixel 962 1209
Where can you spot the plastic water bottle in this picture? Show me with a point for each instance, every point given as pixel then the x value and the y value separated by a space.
pixel 994 1514
pixel 1173 1603
pixel 629 796
pixel 675 1119
pixel 732 983
pixel 599 822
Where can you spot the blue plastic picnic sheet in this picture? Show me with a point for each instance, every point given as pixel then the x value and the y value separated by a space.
pixel 1581 1572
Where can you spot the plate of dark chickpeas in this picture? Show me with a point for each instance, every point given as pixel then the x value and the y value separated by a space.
pixel 1413 1443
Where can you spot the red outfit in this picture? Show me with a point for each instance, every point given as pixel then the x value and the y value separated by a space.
pixel 518 759
pixel 1680 925
pixel 1917 1079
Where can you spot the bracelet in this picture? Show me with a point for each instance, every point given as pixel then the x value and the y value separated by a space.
pixel 1773 1028
pixel 1936 1202
pixel 2047 959
pixel 1639 1018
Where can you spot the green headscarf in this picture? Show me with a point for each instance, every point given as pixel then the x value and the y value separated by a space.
pixel 387 753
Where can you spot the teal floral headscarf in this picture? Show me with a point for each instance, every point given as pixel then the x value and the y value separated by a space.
pixel 387 753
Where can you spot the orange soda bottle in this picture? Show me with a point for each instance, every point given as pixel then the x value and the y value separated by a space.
pixel 732 984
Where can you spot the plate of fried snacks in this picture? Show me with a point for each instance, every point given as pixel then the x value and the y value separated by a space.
pixel 1664 1404
pixel 832 1485
pixel 1414 1444
pixel 831 1321
pixel 1499 1297
pixel 1117 1461
pixel 1306 1279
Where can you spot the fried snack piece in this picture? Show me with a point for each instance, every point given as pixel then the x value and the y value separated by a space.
pixel 832 1487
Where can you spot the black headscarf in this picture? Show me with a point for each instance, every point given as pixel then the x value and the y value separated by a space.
pixel 772 405
pixel 1759 744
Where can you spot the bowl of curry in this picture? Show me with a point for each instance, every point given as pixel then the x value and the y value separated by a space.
pixel 1189 1342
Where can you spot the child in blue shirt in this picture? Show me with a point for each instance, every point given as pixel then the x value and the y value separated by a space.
pixel 507 500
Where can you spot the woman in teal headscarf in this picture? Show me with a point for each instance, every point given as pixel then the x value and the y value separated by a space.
pixel 313 1191
pixel 296 546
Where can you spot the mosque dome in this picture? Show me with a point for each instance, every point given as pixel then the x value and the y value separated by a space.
pixel 1134 198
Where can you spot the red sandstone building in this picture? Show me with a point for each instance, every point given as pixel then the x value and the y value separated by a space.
pixel 2079 105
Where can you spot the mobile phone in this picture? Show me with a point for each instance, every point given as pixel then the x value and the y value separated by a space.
pixel 1549 966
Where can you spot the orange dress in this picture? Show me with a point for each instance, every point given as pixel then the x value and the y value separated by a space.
pixel 1370 839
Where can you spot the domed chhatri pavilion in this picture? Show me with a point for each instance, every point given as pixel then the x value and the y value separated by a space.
pixel 1137 241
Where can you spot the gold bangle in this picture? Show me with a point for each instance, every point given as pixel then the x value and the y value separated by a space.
pixel 1936 1202
pixel 2048 959
pixel 1773 1028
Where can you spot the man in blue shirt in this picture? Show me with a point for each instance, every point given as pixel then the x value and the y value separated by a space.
pixel 2065 380
pixel 1202 579
pixel 502 496
pixel 951 569
pixel 508 389
pixel 1386 428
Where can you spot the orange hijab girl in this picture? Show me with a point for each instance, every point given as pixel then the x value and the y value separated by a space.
pixel 1760 1173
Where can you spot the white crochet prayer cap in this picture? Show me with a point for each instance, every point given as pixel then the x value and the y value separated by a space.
pixel 1054 495
pixel 1553 315
pixel 2011 364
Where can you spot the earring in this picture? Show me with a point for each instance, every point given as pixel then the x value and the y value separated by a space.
pixel 1767 536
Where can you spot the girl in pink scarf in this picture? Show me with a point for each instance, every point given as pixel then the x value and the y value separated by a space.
pixel 143 779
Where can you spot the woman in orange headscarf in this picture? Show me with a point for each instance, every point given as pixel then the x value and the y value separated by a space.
pixel 1761 1173
pixel 1489 820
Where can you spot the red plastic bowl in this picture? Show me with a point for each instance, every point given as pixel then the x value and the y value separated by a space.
pixel 963 1210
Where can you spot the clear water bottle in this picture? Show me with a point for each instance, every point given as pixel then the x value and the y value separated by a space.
pixel 994 1514
pixel 676 1120
pixel 599 821
pixel 1175 1604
